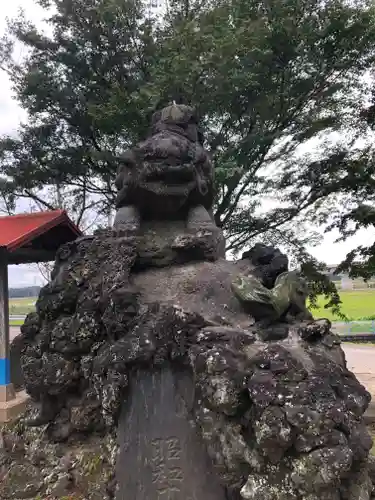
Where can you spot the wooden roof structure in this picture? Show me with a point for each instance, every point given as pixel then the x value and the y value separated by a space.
pixel 35 237
pixel 25 238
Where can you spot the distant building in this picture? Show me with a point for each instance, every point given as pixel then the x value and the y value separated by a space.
pixel 344 282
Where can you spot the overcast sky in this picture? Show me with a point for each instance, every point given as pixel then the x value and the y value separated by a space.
pixel 11 115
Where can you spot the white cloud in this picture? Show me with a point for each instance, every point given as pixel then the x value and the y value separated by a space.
pixel 10 9
pixel 11 116
pixel 24 275
pixel 333 253
pixel 10 112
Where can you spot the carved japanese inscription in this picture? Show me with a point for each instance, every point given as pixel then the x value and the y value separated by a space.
pixel 167 474
pixel 161 456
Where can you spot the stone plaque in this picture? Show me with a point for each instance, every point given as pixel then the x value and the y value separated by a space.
pixel 161 455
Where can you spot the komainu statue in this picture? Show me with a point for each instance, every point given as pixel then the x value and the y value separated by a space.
pixel 167 176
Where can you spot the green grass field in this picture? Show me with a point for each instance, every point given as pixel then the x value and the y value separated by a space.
pixel 356 305
pixel 21 306
pixel 16 322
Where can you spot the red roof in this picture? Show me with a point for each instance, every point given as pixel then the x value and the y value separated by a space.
pixel 18 230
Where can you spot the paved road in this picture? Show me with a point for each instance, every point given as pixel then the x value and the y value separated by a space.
pixel 360 361
pixel 13 332
pixel 360 357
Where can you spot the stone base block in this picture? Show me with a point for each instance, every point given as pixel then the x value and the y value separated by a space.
pixel 12 408
pixel 7 393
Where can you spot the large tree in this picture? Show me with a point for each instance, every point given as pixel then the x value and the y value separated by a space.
pixel 357 196
pixel 270 79
pixel 82 85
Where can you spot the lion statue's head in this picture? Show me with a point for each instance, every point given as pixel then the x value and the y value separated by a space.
pixel 169 171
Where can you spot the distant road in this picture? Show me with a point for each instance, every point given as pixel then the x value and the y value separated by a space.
pixel 13 332
pixel 17 317
pixel 360 359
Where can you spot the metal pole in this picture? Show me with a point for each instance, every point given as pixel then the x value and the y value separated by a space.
pixel 6 389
